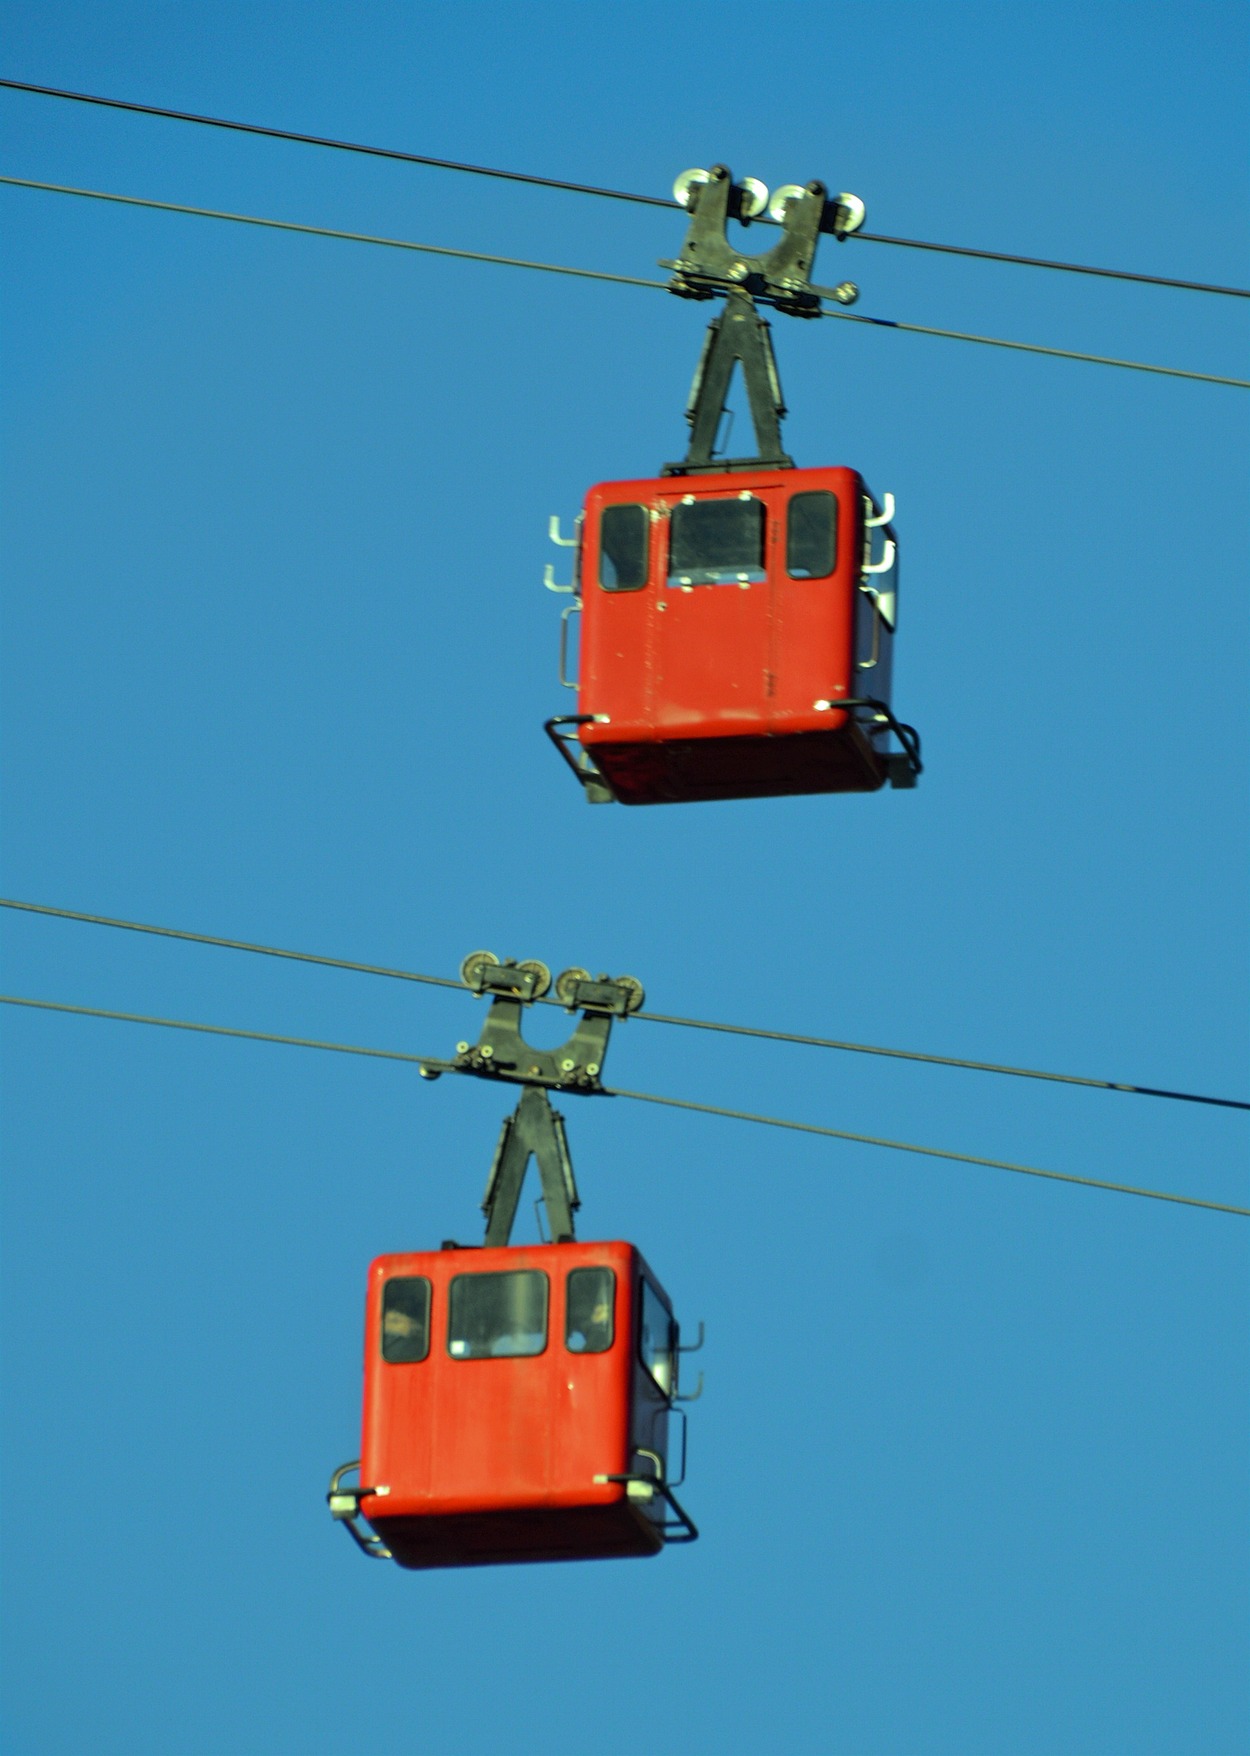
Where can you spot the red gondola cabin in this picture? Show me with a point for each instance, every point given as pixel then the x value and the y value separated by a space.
pixel 726 617
pixel 517 1405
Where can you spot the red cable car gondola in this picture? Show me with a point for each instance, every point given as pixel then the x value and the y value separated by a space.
pixel 738 615
pixel 517 1405
pixel 520 1401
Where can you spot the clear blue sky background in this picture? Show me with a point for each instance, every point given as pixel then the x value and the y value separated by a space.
pixel 971 1461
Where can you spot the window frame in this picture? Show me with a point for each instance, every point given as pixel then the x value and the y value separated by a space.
pixel 755 574
pixel 645 1286
pixel 499 1274
pixel 416 1359
pixel 591 1268
pixel 809 494
pixel 625 506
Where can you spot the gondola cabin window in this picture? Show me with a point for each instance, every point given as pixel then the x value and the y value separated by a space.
pixel 655 1338
pixel 405 1319
pixel 589 1301
pixel 717 542
pixel 496 1316
pixel 624 540
pixel 811 535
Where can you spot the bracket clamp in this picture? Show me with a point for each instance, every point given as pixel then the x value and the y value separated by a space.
pixel 709 263
pixel 501 1051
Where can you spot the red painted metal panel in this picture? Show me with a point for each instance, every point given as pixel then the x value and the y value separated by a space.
pixel 709 691
pixel 494 1459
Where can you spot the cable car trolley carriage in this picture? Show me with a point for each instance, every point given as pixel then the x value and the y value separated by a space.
pixel 521 1402
pixel 738 614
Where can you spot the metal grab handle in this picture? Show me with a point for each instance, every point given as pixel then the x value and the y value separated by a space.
pixel 344 1504
pixel 549 580
pixel 569 610
pixel 888 555
pixel 685 1531
pixel 583 765
pixel 907 735
pixel 553 532
pixel 694 1346
pixel 887 514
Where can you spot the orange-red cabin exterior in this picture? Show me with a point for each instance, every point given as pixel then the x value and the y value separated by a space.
pixel 483 1444
pixel 722 681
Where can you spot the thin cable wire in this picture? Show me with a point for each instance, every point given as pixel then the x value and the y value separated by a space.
pixel 637 1096
pixel 743 1030
pixel 212 1030
pixel 413 158
pixel 247 219
pixel 1151 280
pixel 787 1036
pixel 1027 347
pixel 963 1158
pixel 366 969
pixel 273 225
pixel 376 152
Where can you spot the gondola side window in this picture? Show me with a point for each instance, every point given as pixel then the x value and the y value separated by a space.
pixel 493 1316
pixel 656 1338
pixel 405 1319
pixel 811 534
pixel 590 1294
pixel 624 541
pixel 717 542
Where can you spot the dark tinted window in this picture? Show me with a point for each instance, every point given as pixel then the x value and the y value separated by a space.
pixel 656 1338
pixel 493 1315
pixel 590 1295
pixel 405 1318
pixel 624 532
pixel 716 542
pixel 811 535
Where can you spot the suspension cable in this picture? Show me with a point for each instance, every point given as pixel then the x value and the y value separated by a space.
pixel 744 1030
pixel 247 219
pixel 993 1164
pixel 963 1158
pixel 413 158
pixel 275 225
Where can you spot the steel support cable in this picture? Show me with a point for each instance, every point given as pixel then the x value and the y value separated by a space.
pixel 962 1158
pixel 414 158
pixel 274 225
pixel 743 1030
pixel 628 280
pixel 259 1036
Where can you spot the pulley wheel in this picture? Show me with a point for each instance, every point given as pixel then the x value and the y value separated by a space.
pixel 851 214
pixel 634 992
pixel 752 198
pixel 686 182
pixel 566 981
pixel 472 968
pixel 540 973
pixel 782 198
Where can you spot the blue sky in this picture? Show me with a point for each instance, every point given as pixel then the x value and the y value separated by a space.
pixel 971 1461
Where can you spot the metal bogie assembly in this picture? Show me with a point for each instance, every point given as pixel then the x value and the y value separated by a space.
pixel 710 263
pixel 501 1052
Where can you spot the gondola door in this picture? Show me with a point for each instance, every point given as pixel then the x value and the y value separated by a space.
pixel 711 649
